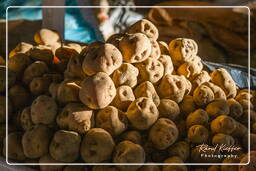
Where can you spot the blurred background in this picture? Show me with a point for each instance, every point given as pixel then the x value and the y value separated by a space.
pixel 221 33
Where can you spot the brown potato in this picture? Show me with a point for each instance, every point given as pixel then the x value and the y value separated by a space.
pixel 240 130
pixel 174 159
pixel 22 47
pixel 48 159
pixel 41 53
pixel 75 46
pixel 198 134
pixel 217 108
pixel 25 119
pixel 65 146
pixel 163 133
pixel 187 105
pixel 97 146
pixel 223 124
pixel 46 37
pixel 166 60
pixel 199 79
pixel 18 63
pixel 39 85
pixel 68 91
pixel 97 91
pixel 168 109
pixel 252 138
pixel 74 68
pixel 142 113
pixel 133 136
pixel 223 139
pixel 203 95
pixel 180 149
pixel 198 117
pixel 19 96
pixel 251 162
pixel 163 48
pixel 191 68
pixel 65 53
pixel 53 88
pixel 236 109
pixel 115 39
pixel 229 161
pixel 35 69
pixel 244 118
pixel 217 91
pixel 155 49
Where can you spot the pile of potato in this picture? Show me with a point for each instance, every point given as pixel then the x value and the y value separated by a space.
pixel 133 99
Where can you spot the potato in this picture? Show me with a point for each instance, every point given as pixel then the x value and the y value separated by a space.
pixel 46 37
pixel 240 130
pixel 167 64
pixel 217 108
pixel 224 80
pixel 97 146
pixel 97 91
pixel 168 109
pixel 251 160
pixel 223 124
pixel 155 49
pixel 124 97
pixel 187 105
pixel 111 120
pixel 35 69
pixel 133 136
pixel 76 117
pixel 19 96
pixel 18 63
pixel 181 125
pixel 163 133
pixel 245 117
pixel 182 50
pixel 198 134
pixel 144 26
pixel 180 149
pixel 35 141
pixel 198 117
pixel 53 88
pixel 170 167
pixel 65 53
pixel 203 95
pixel 236 109
pixel 135 47
pixel 75 46
pixel 230 161
pixel 104 168
pixel 223 139
pixel 65 146
pixel 163 48
pixel 22 47
pixel 153 154
pixel 142 113
pixel 150 70
pixel 74 68
pixel 48 159
pixel 41 53
pixel 39 85
pixel 68 91
pixel 43 110
pixel 15 150
pixel 199 79
pixel 217 91
pixel 252 138
pixel 115 39
pixel 104 58
pixel 191 68
pixel 128 152
pixel 126 74
pixel 25 119
pixel 146 89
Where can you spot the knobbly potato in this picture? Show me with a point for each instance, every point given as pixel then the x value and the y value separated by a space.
pixel 36 69
pixel 65 53
pixel 203 95
pixel 187 105
pixel 111 120
pixel 133 136
pixel 35 141
pixel 217 91
pixel 65 146
pixel 236 109
pixel 146 89
pixel 180 149
pixel 150 70
pixel 144 26
pixel 46 37
pixel 104 168
pixel 39 85
pixel 104 58
pixel 22 47
pixel 41 53
pixel 18 63
pixel 126 74
pixel 198 134
pixel 74 67
pixel 224 80
pixel 163 48
pixel 217 108
pixel 167 64
pixel 182 50
pixel 15 150
pixel 199 79
pixel 223 124
pixel 128 152
pixel 25 119
pixel 155 49
pixel 223 139
pixel 240 130
pixel 135 47
pixel 19 96
pixel 198 117
pixel 48 159
pixel 142 113
pixel 168 109
pixel 174 159
pixel 97 146
pixel 43 110
pixel 115 39
pixel 124 97
pixel 76 117
pixel 163 133
pixel 97 91
pixel 191 68
pixel 68 91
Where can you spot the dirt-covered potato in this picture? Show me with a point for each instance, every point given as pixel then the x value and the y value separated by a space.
pixel 19 96
pixel 198 134
pixel 180 149
pixel 133 136
pixel 150 70
pixel 217 108
pixel 203 95
pixel 223 124
pixel 126 74
pixel 174 159
pixel 236 109
pixel 223 139
pixel 191 68
pixel 168 109
pixel 25 119
pixel 135 47
pixel 22 47
pixel 187 105
pixel 199 79
pixel 167 64
pixel 74 68
pixel 41 53
pixel 65 53
pixel 65 146
pixel 68 91
pixel 76 117
pixel 97 91
pixel 104 168
pixel 147 89
pixel 43 110
pixel 198 117
pixel 144 26
pixel 182 50
pixel 35 141
pixel 163 133
pixel 115 39
pixel 111 120
pixel 104 58
pixel 35 69
pixel 224 80
pixel 155 49
pixel 124 97
pixel 142 113
pixel 46 37
pixel 97 146
pixel 18 63
pixel 128 152
pixel 15 150
pixel 48 159
pixel 217 91
pixel 240 130
pixel 163 48
pixel 39 85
